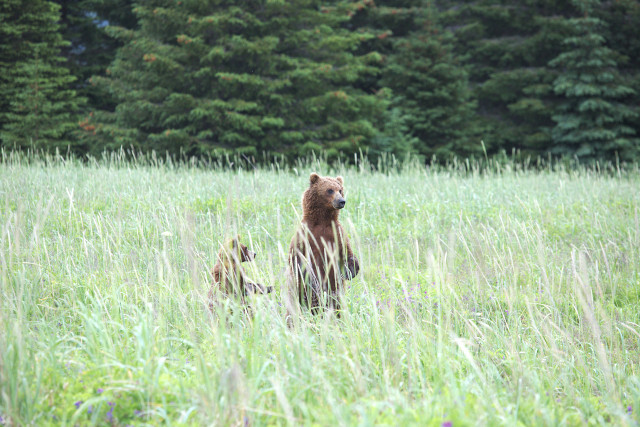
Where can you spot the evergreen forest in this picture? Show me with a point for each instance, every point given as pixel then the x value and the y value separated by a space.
pixel 265 79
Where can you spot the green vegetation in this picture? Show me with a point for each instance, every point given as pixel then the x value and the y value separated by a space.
pixel 267 79
pixel 504 297
pixel 38 108
pixel 276 78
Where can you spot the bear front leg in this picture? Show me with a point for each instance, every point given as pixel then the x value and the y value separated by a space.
pixel 353 267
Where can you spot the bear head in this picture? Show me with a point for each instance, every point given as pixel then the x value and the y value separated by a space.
pixel 236 251
pixel 325 194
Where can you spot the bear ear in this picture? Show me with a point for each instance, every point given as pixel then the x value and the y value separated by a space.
pixel 233 243
pixel 313 178
pixel 340 180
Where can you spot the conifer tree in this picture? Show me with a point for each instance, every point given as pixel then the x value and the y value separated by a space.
pixel 592 119
pixel 91 49
pixel 506 48
pixel 432 90
pixel 389 21
pixel 621 33
pixel 218 77
pixel 37 107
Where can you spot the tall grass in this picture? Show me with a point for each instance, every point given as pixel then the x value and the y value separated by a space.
pixel 491 294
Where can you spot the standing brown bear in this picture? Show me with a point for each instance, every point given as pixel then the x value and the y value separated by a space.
pixel 320 255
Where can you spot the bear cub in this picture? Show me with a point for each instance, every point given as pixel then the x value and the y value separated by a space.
pixel 229 278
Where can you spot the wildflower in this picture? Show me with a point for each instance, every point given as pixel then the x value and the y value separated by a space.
pixel 110 413
pixel 629 409
pixel 137 413
pixel 99 391
pixel 447 424
pixel 90 409
pixel 78 403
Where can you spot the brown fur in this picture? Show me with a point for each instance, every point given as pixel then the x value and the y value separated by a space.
pixel 320 256
pixel 229 278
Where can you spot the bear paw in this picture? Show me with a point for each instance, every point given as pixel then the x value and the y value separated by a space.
pixel 352 268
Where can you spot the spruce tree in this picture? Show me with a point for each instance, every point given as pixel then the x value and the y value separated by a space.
pixel 389 21
pixel 37 107
pixel 592 119
pixel 91 49
pixel 622 36
pixel 431 88
pixel 506 48
pixel 211 78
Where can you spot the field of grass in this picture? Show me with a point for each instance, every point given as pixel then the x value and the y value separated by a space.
pixel 505 297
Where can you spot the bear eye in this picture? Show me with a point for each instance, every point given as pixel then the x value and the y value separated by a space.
pixel 330 191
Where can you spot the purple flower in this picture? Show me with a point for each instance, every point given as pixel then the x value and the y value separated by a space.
pixel 90 409
pixel 99 391
pixel 447 424
pixel 629 409
pixel 137 413
pixel 78 403
pixel 110 413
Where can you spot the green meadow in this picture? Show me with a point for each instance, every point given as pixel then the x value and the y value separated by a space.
pixel 494 295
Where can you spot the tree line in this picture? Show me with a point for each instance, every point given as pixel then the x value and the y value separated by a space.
pixel 263 78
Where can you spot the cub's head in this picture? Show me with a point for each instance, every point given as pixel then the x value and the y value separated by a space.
pixel 236 251
pixel 326 192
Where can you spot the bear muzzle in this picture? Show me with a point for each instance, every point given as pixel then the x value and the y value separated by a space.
pixel 339 203
pixel 249 256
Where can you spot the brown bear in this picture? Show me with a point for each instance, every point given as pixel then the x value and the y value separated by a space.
pixel 229 278
pixel 320 256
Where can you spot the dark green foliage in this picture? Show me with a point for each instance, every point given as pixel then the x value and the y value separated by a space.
pixel 37 107
pixel 388 21
pixel 91 49
pixel 431 89
pixel 506 47
pixel 591 120
pixel 431 99
pixel 210 78
pixel 394 138
pixel 622 18
pixel 433 78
